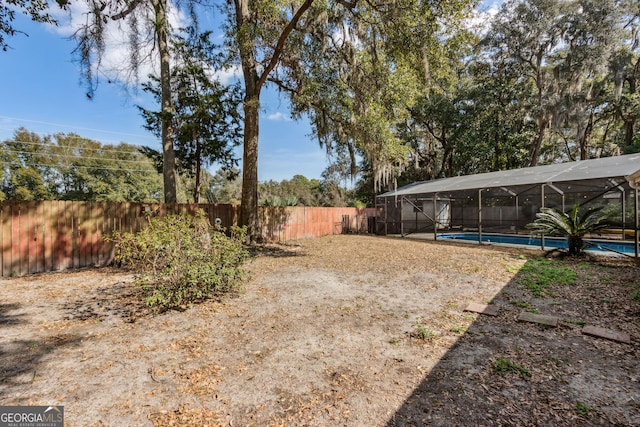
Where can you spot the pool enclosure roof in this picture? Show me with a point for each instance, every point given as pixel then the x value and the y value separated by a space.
pixel 603 172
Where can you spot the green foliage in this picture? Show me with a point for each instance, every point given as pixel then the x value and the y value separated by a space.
pixel 225 187
pixel 459 329
pixel 290 200
pixel 520 303
pixel 555 222
pixel 583 409
pixel 503 366
pixel 70 167
pixel 37 10
pixel 422 332
pixel 540 275
pixel 206 113
pixel 613 213
pixel 182 259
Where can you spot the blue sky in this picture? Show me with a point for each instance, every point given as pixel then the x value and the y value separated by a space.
pixel 41 90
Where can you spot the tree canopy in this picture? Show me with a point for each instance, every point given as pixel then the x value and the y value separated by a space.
pixel 37 10
pixel 400 89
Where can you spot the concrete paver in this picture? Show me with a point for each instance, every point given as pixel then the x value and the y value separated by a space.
pixel 608 334
pixel 542 319
pixel 490 310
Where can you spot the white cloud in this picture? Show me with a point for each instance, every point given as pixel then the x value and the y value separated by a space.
pixel 229 75
pixel 483 16
pixel 279 116
pixel 115 61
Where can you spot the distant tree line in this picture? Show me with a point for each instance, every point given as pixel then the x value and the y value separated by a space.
pixel 67 166
pixel 330 190
pixel 70 167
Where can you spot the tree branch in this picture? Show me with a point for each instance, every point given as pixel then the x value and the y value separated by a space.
pixel 281 40
pixel 130 8
pixel 348 4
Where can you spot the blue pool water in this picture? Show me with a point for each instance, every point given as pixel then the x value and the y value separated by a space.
pixel 549 242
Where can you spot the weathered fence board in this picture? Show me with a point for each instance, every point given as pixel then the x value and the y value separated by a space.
pixel 57 235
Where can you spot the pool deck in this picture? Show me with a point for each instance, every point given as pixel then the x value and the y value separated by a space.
pixel 429 236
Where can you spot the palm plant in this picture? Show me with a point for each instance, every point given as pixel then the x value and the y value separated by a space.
pixel 555 222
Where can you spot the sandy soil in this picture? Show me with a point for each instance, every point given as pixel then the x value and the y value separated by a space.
pixel 341 330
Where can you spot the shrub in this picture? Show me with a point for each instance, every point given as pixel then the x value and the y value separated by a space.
pixel 572 225
pixel 182 259
pixel 422 332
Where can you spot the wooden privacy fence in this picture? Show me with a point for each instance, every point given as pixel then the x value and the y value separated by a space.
pixel 57 235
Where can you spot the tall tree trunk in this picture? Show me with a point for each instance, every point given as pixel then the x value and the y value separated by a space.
pixel 629 126
pixel 196 189
pixel 535 152
pixel 582 135
pixel 249 208
pixel 168 154
pixel 630 120
pixel 253 82
pixel 249 200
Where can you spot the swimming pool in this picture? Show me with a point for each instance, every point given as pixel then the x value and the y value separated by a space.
pixel 549 242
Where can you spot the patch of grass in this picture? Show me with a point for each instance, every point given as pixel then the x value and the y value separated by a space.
pixel 520 303
pixel 583 409
pixel 503 366
pixel 458 329
pixel 395 341
pixel 513 269
pixel 635 295
pixel 540 275
pixel 422 332
pixel 605 279
pixel 576 322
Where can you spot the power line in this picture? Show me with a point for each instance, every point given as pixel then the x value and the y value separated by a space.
pixel 72 156
pixel 69 126
pixel 41 144
pixel 8 162
pixel 68 135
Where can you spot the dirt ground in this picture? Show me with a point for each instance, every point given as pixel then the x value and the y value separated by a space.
pixel 340 330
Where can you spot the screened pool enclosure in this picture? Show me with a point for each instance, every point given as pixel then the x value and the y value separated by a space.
pixel 504 202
